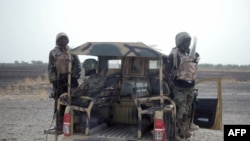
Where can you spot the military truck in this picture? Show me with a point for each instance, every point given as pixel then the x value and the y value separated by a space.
pixel 135 103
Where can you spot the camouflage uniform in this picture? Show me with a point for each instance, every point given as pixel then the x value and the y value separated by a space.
pixel 181 72
pixel 58 70
pixel 89 87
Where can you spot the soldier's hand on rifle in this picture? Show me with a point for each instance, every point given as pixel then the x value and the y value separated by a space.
pixel 196 60
pixel 197 55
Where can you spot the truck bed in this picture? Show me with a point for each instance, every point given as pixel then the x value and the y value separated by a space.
pixel 112 133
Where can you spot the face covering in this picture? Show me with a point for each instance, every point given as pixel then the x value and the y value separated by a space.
pixel 184 46
pixel 62 42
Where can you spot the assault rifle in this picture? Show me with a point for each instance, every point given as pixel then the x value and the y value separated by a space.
pixel 193 49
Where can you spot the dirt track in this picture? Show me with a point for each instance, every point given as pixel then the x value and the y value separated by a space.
pixel 25 113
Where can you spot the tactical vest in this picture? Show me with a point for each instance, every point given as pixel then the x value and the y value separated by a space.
pixel 186 70
pixel 61 60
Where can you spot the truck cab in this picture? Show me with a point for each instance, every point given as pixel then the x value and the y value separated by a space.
pixel 135 102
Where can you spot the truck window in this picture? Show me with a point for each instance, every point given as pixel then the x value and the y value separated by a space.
pixel 114 64
pixel 154 64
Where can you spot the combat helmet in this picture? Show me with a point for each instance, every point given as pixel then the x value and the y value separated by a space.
pixel 90 66
pixel 180 37
pixel 62 38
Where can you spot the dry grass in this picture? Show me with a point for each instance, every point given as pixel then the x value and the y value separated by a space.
pixel 42 94
pixel 28 86
pixel 229 80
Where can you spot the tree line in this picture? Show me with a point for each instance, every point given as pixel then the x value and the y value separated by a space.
pixel 205 65
pixel 221 66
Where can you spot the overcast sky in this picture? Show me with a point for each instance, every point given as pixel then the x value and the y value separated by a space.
pixel 29 27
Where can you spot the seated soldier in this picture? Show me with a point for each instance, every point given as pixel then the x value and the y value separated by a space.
pixel 91 85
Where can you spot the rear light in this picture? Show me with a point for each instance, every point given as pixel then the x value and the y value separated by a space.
pixel 159 123
pixel 159 130
pixel 66 124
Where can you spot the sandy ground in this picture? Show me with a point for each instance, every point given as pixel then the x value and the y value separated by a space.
pixel 24 117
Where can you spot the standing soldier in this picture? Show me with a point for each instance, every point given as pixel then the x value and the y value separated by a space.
pixel 58 69
pixel 181 72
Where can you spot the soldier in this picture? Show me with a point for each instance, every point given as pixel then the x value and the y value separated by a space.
pixel 181 72
pixel 58 69
pixel 91 86
pixel 92 83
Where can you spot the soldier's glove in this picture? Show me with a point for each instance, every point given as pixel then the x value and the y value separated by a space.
pixel 196 60
pixel 197 55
